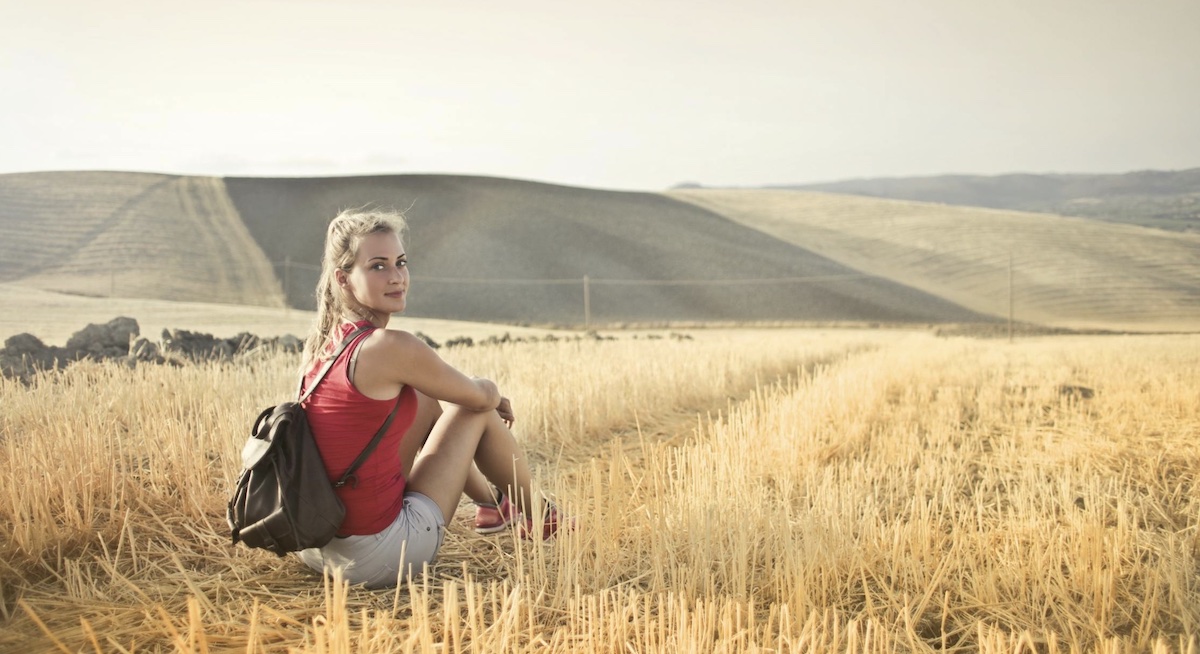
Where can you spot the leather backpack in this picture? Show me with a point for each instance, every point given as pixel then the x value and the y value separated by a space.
pixel 283 500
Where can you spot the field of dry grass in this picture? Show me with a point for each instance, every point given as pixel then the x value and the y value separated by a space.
pixel 741 491
pixel 1066 272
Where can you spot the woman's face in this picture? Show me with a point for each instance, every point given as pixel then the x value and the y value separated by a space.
pixel 378 279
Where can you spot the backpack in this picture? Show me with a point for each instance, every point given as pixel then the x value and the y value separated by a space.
pixel 283 500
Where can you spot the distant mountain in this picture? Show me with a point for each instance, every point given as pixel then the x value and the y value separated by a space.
pixel 1161 199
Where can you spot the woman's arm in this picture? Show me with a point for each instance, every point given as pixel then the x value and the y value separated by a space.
pixel 390 358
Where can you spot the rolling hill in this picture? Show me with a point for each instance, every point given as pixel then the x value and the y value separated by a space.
pixel 1066 272
pixel 503 250
pixel 503 234
pixel 1166 199
pixel 141 235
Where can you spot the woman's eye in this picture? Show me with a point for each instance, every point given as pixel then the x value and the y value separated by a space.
pixel 403 263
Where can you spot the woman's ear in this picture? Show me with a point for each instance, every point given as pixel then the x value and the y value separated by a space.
pixel 339 276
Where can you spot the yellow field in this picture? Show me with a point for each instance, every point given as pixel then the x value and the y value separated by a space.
pixel 850 491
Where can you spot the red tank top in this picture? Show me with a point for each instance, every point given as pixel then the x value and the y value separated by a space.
pixel 343 420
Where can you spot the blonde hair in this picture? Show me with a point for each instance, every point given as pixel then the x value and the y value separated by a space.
pixel 342 238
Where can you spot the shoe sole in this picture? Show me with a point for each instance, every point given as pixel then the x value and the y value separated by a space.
pixel 492 530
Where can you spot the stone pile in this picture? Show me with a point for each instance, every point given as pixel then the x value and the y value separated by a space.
pixel 506 338
pixel 120 340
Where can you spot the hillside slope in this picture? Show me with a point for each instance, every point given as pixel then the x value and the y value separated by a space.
pixel 1068 272
pixel 1151 198
pixel 491 249
pixel 507 250
pixel 130 235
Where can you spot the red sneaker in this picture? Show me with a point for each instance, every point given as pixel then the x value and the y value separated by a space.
pixel 552 522
pixel 491 518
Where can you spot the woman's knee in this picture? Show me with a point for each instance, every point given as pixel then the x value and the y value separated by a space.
pixel 458 425
pixel 455 414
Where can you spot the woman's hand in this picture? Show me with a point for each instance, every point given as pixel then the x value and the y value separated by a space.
pixel 505 411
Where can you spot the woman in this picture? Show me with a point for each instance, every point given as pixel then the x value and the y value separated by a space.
pixel 396 510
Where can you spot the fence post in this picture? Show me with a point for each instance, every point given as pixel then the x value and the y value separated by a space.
pixel 1010 296
pixel 287 277
pixel 587 302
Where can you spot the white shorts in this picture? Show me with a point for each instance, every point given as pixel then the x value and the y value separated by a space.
pixel 375 560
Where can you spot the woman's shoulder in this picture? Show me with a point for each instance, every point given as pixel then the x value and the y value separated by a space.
pixel 393 341
pixel 395 355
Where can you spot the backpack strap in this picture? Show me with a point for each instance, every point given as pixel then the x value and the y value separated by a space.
pixel 348 476
pixel 303 395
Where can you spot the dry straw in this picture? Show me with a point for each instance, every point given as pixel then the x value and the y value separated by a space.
pixel 776 491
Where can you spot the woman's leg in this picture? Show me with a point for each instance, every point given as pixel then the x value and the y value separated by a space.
pixel 428 411
pixel 458 438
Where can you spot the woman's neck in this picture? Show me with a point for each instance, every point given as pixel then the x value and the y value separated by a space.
pixel 376 319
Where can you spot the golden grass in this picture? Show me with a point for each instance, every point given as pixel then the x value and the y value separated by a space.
pixel 896 492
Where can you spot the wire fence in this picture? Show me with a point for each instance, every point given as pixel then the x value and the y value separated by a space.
pixel 998 287
pixel 574 300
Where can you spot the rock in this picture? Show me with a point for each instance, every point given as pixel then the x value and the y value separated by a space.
pixel 428 341
pixel 1076 392
pixel 244 342
pixel 145 350
pixel 23 344
pixel 195 345
pixel 25 354
pixel 461 341
pixel 103 340
pixel 289 343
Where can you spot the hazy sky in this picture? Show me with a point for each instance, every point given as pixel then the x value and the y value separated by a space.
pixel 619 94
